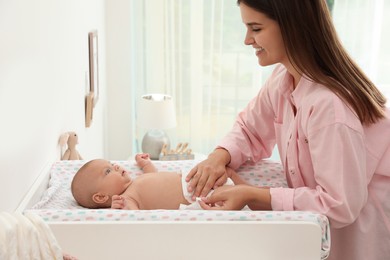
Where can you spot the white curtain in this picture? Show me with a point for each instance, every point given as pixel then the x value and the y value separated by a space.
pixel 363 27
pixel 194 51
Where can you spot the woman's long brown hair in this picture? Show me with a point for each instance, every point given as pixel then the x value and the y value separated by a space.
pixel 315 50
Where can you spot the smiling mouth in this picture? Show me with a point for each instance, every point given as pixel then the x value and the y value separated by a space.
pixel 258 50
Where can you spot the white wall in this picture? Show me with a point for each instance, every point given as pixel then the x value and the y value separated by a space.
pixel 119 65
pixel 43 82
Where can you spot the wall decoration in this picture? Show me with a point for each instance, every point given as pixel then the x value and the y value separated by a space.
pixel 93 96
pixel 93 65
pixel 88 109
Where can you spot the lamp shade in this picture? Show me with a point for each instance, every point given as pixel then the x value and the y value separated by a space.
pixel 156 111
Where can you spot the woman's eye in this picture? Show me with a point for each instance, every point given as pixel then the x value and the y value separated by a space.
pixel 256 30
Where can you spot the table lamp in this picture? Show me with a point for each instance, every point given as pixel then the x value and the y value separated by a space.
pixel 156 112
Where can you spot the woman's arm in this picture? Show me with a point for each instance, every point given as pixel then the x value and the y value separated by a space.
pixel 251 138
pixel 237 197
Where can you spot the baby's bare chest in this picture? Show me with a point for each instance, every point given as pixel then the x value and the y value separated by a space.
pixel 157 191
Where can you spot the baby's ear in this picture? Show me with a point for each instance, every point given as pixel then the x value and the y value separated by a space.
pixel 100 198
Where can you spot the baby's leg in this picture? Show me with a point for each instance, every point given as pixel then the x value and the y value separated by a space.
pixel 143 161
pixel 232 174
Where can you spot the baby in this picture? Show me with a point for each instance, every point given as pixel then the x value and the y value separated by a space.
pixel 100 184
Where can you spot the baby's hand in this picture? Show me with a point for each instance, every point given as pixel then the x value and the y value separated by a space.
pixel 118 202
pixel 140 156
pixel 142 159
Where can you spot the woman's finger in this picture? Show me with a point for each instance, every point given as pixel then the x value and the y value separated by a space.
pixel 205 206
pixel 191 173
pixel 215 197
pixel 208 186
pixel 209 206
pixel 193 182
pixel 201 184
pixel 220 181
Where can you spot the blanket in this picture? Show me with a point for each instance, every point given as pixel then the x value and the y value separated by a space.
pixel 26 237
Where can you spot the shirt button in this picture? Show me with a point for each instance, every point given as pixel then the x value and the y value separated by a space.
pixel 292 171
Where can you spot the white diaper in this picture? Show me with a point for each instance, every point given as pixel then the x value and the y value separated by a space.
pixel 188 196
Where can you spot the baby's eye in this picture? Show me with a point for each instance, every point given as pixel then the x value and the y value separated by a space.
pixel 108 171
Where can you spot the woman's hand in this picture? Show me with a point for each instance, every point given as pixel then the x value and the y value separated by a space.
pixel 237 197
pixel 208 174
pixel 224 198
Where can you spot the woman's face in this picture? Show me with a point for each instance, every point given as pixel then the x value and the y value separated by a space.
pixel 264 35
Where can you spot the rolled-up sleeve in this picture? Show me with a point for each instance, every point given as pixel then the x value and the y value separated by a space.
pixel 282 199
pixel 253 135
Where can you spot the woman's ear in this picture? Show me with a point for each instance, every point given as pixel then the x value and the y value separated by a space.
pixel 100 198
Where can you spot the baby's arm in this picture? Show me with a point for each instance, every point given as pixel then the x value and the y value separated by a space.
pixel 143 161
pixel 119 202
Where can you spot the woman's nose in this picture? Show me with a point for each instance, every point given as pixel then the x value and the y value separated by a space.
pixel 248 39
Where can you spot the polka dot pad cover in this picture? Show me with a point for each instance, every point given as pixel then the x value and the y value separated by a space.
pixel 58 204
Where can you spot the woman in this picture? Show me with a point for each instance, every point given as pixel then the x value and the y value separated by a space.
pixel 330 125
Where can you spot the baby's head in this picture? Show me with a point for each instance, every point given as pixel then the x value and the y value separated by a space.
pixel 97 181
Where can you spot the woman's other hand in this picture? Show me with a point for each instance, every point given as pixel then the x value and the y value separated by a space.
pixel 237 197
pixel 224 198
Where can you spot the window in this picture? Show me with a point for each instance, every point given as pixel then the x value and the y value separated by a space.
pixel 194 51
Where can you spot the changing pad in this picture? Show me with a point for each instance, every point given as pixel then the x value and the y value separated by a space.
pixel 59 196
pixel 58 204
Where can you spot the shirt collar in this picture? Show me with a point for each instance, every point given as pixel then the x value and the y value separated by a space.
pixel 305 85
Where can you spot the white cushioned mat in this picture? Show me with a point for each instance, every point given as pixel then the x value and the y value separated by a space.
pixel 58 204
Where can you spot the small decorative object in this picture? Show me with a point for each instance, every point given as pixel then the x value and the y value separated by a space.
pixel 89 109
pixel 156 112
pixel 93 65
pixel 182 152
pixel 71 139
pixel 93 96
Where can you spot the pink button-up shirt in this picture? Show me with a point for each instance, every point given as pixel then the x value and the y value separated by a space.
pixel 334 165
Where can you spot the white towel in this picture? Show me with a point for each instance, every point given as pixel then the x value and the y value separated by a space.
pixel 26 237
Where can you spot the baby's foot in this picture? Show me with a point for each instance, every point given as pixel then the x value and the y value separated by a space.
pixel 68 257
pixel 142 159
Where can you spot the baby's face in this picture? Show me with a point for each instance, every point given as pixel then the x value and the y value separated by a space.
pixel 111 179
